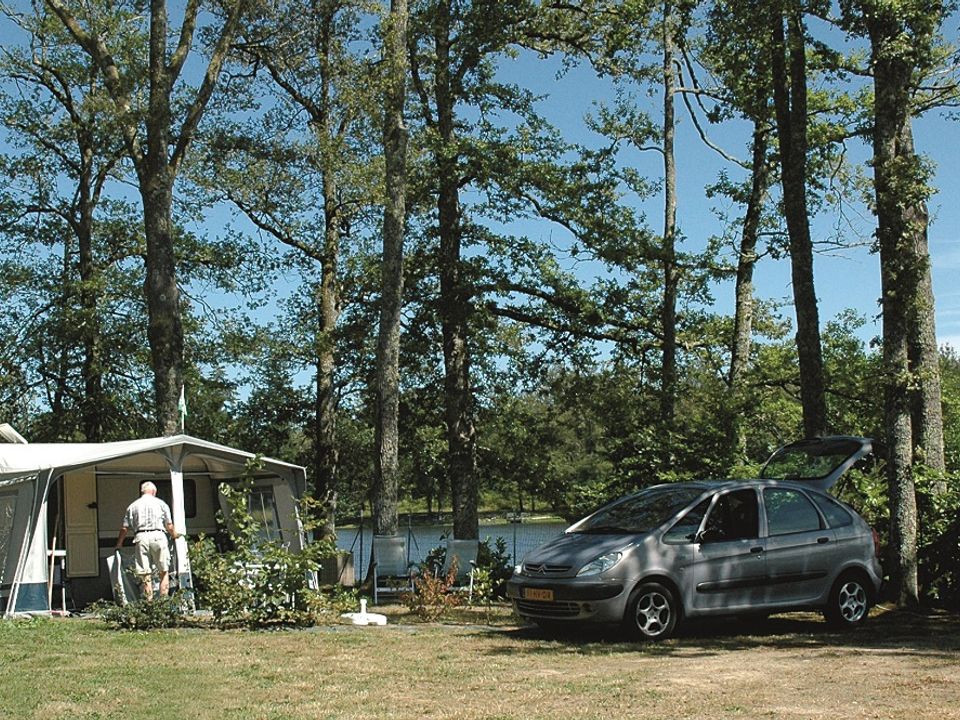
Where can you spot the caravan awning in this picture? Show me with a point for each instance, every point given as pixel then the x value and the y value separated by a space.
pixel 26 460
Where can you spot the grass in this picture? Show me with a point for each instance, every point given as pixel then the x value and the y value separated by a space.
pixel 900 665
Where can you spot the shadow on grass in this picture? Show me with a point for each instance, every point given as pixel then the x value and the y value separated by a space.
pixel 892 632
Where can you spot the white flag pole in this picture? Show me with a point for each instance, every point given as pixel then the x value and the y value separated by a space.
pixel 182 409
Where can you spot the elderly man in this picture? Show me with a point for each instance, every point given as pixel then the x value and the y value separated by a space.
pixel 148 518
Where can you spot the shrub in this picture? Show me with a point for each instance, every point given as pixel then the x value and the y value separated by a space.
pixel 160 612
pixel 259 583
pixel 432 596
pixel 493 560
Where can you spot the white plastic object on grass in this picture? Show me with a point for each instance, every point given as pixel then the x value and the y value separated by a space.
pixel 365 618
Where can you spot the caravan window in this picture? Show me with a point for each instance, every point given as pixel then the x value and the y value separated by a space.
pixel 165 493
pixel 263 508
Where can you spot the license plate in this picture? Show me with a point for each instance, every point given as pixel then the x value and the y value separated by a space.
pixel 544 594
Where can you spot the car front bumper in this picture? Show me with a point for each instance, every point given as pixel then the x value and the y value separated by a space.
pixel 568 599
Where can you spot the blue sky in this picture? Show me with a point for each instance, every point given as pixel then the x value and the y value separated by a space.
pixel 846 278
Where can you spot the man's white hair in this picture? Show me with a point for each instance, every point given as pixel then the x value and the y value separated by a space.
pixel 147 487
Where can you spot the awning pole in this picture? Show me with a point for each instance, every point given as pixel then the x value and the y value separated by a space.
pixel 180 525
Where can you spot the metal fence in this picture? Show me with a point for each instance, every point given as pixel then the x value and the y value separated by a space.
pixel 520 538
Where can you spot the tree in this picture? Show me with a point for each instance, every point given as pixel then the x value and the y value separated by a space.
pixel 789 74
pixel 68 153
pixel 386 466
pixel 300 170
pixel 902 51
pixel 157 142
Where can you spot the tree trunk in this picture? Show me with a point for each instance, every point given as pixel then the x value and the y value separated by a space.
pixel 790 99
pixel 164 328
pixel 326 452
pixel 91 409
pixel 927 410
pixel 454 302
pixel 668 314
pixel 899 283
pixel 385 520
pixel 746 261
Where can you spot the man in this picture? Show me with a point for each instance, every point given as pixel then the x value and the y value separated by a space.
pixel 147 518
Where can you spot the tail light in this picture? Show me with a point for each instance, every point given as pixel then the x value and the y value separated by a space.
pixel 876 542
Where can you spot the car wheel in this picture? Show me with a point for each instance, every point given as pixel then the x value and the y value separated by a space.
pixel 849 602
pixel 652 612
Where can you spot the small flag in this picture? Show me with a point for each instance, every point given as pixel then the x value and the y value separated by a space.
pixel 182 409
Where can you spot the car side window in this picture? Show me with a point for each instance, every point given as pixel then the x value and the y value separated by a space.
pixel 735 516
pixel 834 512
pixel 685 529
pixel 789 511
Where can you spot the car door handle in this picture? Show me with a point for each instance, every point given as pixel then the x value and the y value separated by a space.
pixel 757 550
pixel 823 540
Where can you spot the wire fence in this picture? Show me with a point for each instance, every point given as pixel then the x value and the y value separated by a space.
pixel 519 537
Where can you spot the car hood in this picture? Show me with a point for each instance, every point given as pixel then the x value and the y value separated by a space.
pixel 818 462
pixel 574 550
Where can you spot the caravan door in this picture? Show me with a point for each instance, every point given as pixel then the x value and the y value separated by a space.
pixel 80 523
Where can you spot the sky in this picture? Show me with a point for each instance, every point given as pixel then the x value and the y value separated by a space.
pixel 845 279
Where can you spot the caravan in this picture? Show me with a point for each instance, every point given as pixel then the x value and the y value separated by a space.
pixel 61 505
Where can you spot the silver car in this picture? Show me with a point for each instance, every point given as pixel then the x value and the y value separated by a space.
pixel 695 549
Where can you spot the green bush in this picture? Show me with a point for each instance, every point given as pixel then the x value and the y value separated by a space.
pixel 160 612
pixel 938 525
pixel 260 583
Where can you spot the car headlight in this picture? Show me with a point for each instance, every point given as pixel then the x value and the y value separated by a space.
pixel 601 564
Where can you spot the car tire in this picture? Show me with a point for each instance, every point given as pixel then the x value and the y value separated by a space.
pixel 652 612
pixel 849 602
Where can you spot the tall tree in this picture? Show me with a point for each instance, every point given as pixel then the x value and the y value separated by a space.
pixel 902 38
pixel 737 53
pixel 157 142
pixel 789 74
pixel 670 26
pixel 927 411
pixel 386 467
pixel 67 153
pixel 300 171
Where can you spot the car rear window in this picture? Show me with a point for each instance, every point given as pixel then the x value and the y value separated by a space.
pixel 789 511
pixel 835 513
pixel 809 460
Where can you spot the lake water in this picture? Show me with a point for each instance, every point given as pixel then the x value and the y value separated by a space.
pixel 519 537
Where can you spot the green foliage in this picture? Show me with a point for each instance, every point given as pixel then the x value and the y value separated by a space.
pixel 938 541
pixel 160 612
pixel 260 582
pixel 493 569
pixel 938 524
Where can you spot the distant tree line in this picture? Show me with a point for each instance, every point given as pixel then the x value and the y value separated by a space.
pixel 316 218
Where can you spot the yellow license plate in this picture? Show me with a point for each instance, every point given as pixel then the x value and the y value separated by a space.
pixel 544 594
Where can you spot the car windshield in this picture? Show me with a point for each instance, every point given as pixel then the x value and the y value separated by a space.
pixel 641 512
pixel 807 461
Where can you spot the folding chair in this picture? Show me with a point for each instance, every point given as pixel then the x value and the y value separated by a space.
pixel 464 554
pixel 392 571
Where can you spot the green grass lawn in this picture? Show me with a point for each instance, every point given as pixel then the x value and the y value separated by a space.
pixel 789 667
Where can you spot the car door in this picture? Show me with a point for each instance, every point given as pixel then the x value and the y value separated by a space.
pixel 729 566
pixel 800 549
